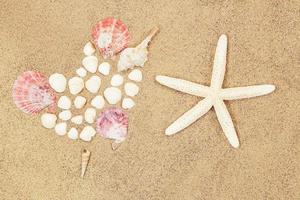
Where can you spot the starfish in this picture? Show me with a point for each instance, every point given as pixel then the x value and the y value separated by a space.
pixel 214 96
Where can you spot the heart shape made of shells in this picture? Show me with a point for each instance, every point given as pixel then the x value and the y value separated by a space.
pixel 33 91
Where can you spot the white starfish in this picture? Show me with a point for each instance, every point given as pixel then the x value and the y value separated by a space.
pixel 214 96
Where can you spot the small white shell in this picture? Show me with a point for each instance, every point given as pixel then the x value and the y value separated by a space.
pixel 127 103
pixel 90 115
pixel 76 84
pixel 131 89
pixel 65 115
pixel 48 120
pixel 90 63
pixel 93 84
pixel 104 68
pixel 61 128
pixel 98 102
pixel 117 80
pixel 113 95
pixel 79 102
pixel 81 72
pixel 135 75
pixel 64 102
pixel 77 119
pixel 58 82
pixel 73 133
pixel 88 49
pixel 87 133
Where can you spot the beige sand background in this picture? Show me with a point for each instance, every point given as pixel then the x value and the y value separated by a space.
pixel 198 163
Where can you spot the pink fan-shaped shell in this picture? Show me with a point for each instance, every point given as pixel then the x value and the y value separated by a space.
pixel 32 93
pixel 110 36
pixel 113 124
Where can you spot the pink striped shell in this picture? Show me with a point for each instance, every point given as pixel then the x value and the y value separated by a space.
pixel 112 123
pixel 32 93
pixel 110 36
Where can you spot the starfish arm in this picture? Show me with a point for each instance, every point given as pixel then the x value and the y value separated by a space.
pixel 189 117
pixel 226 123
pixel 219 63
pixel 246 92
pixel 184 86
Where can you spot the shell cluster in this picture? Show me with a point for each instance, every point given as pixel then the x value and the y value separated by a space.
pixel 73 112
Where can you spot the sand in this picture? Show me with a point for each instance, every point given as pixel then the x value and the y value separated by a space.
pixel 198 163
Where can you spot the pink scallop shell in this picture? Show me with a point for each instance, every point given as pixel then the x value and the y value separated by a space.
pixel 112 123
pixel 32 93
pixel 110 36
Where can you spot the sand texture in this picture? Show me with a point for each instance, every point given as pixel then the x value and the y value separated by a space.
pixel 48 36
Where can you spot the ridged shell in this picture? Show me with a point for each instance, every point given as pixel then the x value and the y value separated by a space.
pixel 32 93
pixel 113 124
pixel 110 36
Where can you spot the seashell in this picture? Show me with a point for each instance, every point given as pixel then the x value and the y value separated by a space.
pixel 90 63
pixel 137 56
pixel 32 93
pixel 113 124
pixel 76 85
pixel 87 133
pixel 89 49
pixel 81 72
pixel 98 102
pixel 113 95
pixel 65 115
pixel 64 102
pixel 93 84
pixel 61 128
pixel 73 133
pixel 77 119
pixel 117 80
pixel 135 75
pixel 104 68
pixel 85 157
pixel 79 102
pixel 127 103
pixel 58 82
pixel 90 115
pixel 110 36
pixel 131 89
pixel 48 120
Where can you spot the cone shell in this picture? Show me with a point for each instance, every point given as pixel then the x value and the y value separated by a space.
pixel 110 36
pixel 85 157
pixel 32 93
pixel 113 124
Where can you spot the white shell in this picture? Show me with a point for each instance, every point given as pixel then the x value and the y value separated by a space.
pixel 65 115
pixel 93 84
pixel 113 95
pixel 76 84
pixel 104 68
pixel 90 63
pixel 73 134
pixel 131 89
pixel 64 102
pixel 131 57
pixel 117 80
pixel 58 82
pixel 87 133
pixel 77 119
pixel 127 103
pixel 61 128
pixel 79 102
pixel 135 75
pixel 90 115
pixel 81 72
pixel 88 49
pixel 48 120
pixel 98 102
